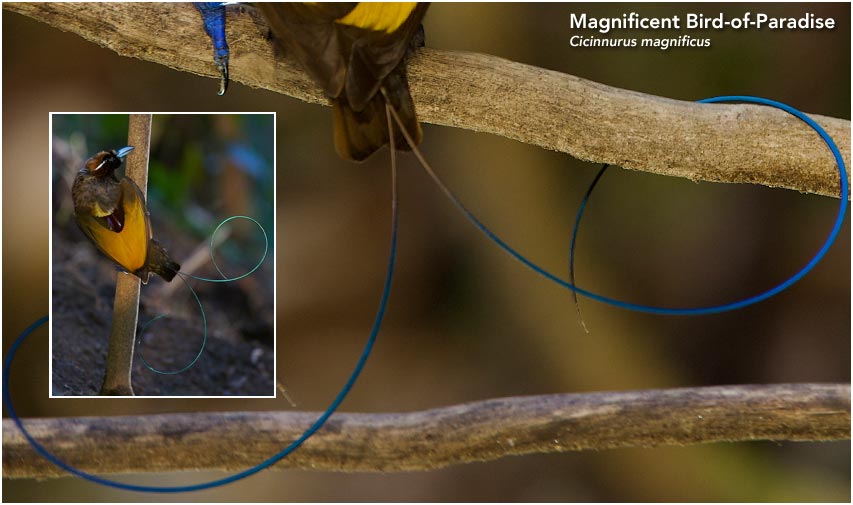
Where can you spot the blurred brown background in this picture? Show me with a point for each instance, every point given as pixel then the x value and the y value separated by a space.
pixel 465 321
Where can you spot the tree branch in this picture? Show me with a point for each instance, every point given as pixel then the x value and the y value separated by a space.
pixel 719 143
pixel 430 439
pixel 119 366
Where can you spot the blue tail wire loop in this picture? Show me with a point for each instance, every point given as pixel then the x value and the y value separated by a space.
pixel 308 433
pixel 212 247
pixel 677 311
pixel 837 226
pixel 189 365
pixel 7 400
pixel 184 277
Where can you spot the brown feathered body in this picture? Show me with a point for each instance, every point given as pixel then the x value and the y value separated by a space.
pixel 356 53
pixel 112 214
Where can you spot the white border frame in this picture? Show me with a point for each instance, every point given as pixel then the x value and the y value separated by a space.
pixel 50 254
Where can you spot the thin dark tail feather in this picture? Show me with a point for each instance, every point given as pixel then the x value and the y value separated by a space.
pixel 432 174
pixel 581 209
pixel 160 263
pixel 360 133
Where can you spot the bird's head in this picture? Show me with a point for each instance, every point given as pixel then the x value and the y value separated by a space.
pixel 106 162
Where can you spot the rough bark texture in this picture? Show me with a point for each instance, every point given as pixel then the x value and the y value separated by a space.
pixel 719 143
pixel 479 431
pixel 724 143
pixel 117 379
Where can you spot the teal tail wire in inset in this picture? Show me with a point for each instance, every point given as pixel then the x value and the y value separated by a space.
pixel 308 433
pixel 335 404
pixel 184 277
pixel 189 365
pixel 673 311
pixel 213 259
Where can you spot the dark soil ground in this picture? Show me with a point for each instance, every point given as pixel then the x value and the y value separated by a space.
pixel 238 358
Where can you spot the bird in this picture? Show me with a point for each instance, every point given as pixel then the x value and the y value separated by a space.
pixel 355 52
pixel 112 214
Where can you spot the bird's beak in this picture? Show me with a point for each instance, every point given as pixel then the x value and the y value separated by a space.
pixel 124 151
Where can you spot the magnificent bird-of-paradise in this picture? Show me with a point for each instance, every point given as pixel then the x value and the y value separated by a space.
pixel 112 214
pixel 356 52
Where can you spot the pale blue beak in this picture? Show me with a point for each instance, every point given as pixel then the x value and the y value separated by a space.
pixel 124 151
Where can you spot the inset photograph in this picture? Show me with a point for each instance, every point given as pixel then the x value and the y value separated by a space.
pixel 162 255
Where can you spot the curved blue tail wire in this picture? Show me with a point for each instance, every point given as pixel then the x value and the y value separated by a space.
pixel 377 323
pixel 7 401
pixel 690 311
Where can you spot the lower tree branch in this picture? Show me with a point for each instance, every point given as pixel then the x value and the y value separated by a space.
pixel 480 431
pixel 719 143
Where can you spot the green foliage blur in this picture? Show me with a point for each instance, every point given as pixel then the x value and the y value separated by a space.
pixel 193 158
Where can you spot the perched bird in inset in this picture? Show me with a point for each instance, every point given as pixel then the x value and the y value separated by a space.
pixel 356 52
pixel 112 214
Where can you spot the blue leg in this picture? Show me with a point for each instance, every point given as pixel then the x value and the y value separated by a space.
pixel 213 14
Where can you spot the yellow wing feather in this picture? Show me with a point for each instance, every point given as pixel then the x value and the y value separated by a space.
pixel 99 211
pixel 378 16
pixel 129 247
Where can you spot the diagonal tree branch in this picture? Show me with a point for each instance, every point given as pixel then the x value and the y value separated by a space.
pixel 719 143
pixel 430 439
